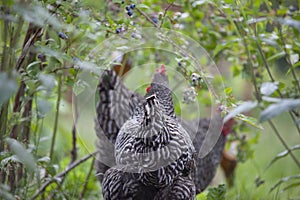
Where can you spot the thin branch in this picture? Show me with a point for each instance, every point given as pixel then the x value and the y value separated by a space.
pixel 147 17
pixel 74 130
pixel 210 87
pixel 258 96
pixel 5 34
pixel 87 179
pixel 278 90
pixel 265 61
pixel 56 116
pixel 288 59
pixel 61 175
pixel 284 143
pixel 61 68
pixel 28 42
pixel 165 12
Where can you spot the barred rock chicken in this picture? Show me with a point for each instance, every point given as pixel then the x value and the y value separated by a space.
pixel 116 104
pixel 157 154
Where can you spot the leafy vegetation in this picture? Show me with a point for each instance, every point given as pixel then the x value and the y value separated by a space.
pixel 47 46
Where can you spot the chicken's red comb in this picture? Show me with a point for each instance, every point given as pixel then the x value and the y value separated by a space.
pixel 162 69
pixel 148 88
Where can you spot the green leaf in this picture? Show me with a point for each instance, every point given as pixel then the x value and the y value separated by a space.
pixel 228 90
pixel 249 120
pixel 244 107
pixel 278 108
pixel 217 193
pixel 271 99
pixel 22 154
pixel 8 86
pixel 282 155
pixel 43 107
pixel 291 186
pixel 5 194
pixel 267 88
pixel 283 180
pixel 48 82
pixel 290 22
pixel 56 54
pixel 38 16
pixel 87 66
pixel 45 159
pixel 276 56
pixel 143 6
pixel 202 196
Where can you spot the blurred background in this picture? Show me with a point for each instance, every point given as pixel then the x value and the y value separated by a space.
pixel 48 109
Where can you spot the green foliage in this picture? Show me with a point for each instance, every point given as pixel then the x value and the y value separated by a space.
pixel 46 44
pixel 217 193
pixel 8 86
pixel 22 154
pixel 282 105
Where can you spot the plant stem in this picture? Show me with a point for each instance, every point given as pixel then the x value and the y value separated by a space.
pixel 74 148
pixel 87 179
pixel 62 174
pixel 273 80
pixel 258 96
pixel 165 12
pixel 289 60
pixel 4 60
pixel 284 143
pixel 3 124
pixel 56 116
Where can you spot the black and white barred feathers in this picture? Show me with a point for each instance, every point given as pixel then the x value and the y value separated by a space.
pixel 155 153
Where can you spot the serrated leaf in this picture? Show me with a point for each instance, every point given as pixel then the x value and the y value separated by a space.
pixel 244 107
pixel 277 108
pixel 283 180
pixel 267 88
pixel 282 155
pixel 22 154
pixel 8 86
